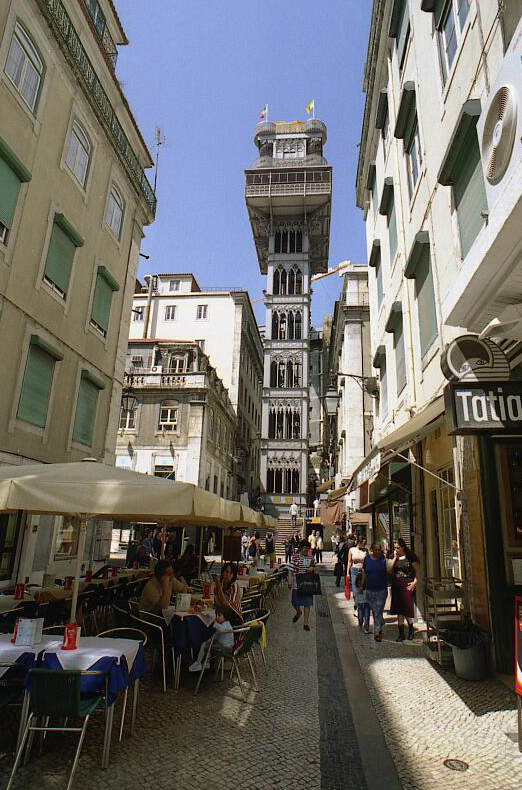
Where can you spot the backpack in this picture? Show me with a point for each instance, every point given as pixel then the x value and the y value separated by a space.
pixel 252 549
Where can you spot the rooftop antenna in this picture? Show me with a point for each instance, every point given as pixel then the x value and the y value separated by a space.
pixel 159 139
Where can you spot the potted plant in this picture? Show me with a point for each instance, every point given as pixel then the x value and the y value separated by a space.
pixel 468 644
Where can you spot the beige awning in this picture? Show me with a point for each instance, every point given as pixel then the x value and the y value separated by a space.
pixel 337 493
pixel 324 486
pixel 415 428
pixel 96 489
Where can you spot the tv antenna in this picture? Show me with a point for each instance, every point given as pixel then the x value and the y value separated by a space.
pixel 159 140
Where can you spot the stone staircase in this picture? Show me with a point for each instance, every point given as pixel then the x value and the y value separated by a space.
pixel 284 531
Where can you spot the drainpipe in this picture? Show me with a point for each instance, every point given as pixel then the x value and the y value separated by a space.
pixel 149 279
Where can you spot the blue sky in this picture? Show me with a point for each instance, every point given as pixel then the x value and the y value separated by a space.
pixel 203 70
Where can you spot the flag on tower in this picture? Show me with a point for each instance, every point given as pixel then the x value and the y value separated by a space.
pixel 310 108
pixel 264 113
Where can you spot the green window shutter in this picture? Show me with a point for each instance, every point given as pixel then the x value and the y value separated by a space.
pixel 9 189
pixel 383 390
pixel 378 274
pixel 425 295
pixel 85 412
pixel 60 257
pixel 101 305
pixel 470 194
pixel 400 361
pixel 36 386
pixel 392 233
pixel 402 31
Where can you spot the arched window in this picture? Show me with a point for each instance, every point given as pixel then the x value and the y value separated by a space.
pixel 270 481
pixel 24 66
pixel 276 283
pixel 295 481
pixel 290 326
pixel 283 280
pixel 78 153
pixel 290 373
pixel 115 210
pixel 297 425
pixel 275 325
pixel 282 326
pixel 291 281
pixel 298 282
pixel 297 374
pixel 278 481
pixel 279 424
pixel 168 417
pixel 281 375
pixel 299 241
pixel 277 245
pixel 271 424
pixel 288 424
pixel 291 241
pixel 298 326
pixel 273 373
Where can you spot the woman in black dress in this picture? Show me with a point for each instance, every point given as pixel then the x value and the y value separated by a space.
pixel 405 570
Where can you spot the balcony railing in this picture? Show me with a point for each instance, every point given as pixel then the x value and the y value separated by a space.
pixel 268 190
pixel 60 22
pixel 356 299
pixel 147 379
pixel 102 31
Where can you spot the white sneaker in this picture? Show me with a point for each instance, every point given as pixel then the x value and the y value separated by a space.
pixel 195 667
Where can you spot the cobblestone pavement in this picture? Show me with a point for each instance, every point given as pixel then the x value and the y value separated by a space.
pixel 428 715
pixel 215 739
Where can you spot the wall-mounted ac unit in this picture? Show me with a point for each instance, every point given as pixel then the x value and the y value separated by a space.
pixel 154 369
pixel 499 127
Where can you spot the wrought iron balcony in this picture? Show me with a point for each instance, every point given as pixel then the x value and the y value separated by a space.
pixel 102 31
pixel 59 21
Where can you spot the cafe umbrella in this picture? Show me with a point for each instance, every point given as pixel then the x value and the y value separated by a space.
pixel 87 489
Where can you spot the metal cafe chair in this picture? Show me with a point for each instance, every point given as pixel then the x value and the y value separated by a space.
pixel 138 636
pixel 243 648
pixel 56 693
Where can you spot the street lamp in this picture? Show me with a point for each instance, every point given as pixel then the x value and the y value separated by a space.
pixel 129 400
pixel 331 400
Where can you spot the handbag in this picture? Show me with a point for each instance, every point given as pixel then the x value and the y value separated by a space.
pixel 309 584
pixel 347 587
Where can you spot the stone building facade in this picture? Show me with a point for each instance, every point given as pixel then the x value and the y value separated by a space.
pixel 74 200
pixel 183 425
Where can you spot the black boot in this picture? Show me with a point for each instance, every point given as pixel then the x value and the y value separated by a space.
pixel 411 631
pixel 401 636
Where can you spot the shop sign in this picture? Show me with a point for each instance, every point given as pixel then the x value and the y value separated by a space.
pixel 370 468
pixel 489 406
pixel 474 359
pixel 518 645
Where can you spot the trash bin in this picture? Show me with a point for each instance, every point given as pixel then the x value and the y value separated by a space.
pixel 468 643
pixel 471 663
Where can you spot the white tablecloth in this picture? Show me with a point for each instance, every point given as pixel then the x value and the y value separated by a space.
pixel 91 649
pixel 206 617
pixel 9 653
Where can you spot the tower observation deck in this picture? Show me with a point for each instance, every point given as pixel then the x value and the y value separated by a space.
pixel 288 197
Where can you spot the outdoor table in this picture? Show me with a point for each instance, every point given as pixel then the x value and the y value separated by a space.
pixel 189 631
pixel 122 662
pixel 8 603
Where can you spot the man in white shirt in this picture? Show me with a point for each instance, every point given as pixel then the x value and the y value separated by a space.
pixel 317 504
pixel 294 512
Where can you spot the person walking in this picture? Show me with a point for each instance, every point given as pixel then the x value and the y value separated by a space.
pixel 245 540
pixel 362 605
pixel 254 549
pixel 317 505
pixel 342 560
pixel 356 557
pixel 375 582
pixel 312 540
pixel 301 563
pixel 294 512
pixel 290 548
pixel 319 546
pixel 270 547
pixel 406 571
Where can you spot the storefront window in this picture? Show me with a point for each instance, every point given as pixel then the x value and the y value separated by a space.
pixel 401 518
pixel 448 537
pixel 66 538
pixel 382 525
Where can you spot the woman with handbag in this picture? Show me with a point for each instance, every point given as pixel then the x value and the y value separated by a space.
pixel 375 582
pixel 301 564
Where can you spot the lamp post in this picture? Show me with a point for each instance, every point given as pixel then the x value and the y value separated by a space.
pixel 331 400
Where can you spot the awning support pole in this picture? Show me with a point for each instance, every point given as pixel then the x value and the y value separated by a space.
pixel 419 466
pixel 82 533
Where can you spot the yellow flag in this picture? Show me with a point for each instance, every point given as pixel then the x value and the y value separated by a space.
pixel 310 107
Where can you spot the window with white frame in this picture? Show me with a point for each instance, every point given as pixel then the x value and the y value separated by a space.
pixel 177 364
pixel 78 153
pixel 201 312
pixel 414 159
pixel 201 344
pixel 115 211
pixel 170 312
pixel 127 419
pixel 168 415
pixel 137 313
pixel 290 148
pixel 24 67
pixel 450 30
pixel 174 285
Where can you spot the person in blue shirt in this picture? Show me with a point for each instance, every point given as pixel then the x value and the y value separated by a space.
pixel 375 582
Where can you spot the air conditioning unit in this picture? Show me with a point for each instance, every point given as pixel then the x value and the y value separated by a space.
pixel 154 369
pixel 499 127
